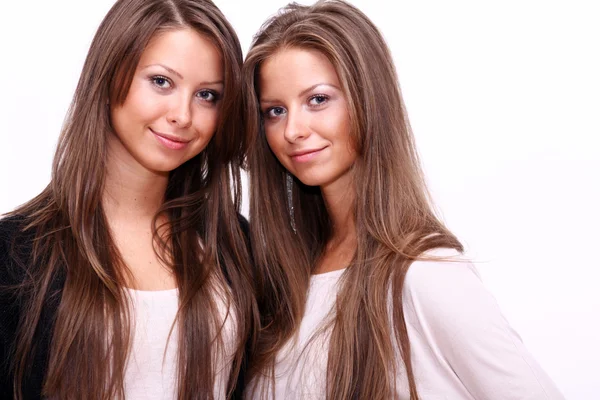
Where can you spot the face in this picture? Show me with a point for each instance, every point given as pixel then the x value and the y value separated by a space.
pixel 306 117
pixel 170 113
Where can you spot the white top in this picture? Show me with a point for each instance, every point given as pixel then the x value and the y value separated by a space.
pixel 462 347
pixel 151 372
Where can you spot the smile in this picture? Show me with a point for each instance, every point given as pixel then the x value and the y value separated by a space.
pixel 170 141
pixel 305 155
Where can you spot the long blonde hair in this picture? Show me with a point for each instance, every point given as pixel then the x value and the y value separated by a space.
pixel 72 242
pixel 394 219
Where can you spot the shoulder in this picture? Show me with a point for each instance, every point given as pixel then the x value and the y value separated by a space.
pixel 15 247
pixel 444 290
pixel 452 317
pixel 10 226
pixel 440 272
pixel 15 253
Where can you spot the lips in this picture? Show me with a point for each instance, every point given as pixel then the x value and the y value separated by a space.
pixel 305 154
pixel 170 141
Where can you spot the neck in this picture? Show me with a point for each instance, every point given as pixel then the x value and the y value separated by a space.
pixel 341 246
pixel 131 191
pixel 339 199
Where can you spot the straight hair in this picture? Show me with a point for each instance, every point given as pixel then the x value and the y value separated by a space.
pixel 395 221
pixel 72 242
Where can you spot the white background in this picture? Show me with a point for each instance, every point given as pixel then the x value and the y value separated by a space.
pixel 504 99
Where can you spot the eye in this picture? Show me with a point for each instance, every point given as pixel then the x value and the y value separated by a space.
pixel 274 112
pixel 318 99
pixel 161 81
pixel 207 95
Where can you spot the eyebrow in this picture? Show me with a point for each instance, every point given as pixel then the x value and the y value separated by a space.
pixel 304 92
pixel 171 70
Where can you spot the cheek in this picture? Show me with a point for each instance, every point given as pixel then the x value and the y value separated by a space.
pixel 344 142
pixel 275 142
pixel 205 121
pixel 204 126
pixel 343 132
pixel 351 156
pixel 140 106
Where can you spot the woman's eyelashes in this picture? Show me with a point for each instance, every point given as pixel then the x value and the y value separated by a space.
pixel 316 101
pixel 210 96
pixel 274 112
pixel 161 82
pixel 164 84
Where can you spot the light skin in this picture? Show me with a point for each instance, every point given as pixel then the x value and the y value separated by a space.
pixel 168 117
pixel 307 126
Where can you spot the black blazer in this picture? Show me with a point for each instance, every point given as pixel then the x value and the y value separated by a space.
pixel 15 254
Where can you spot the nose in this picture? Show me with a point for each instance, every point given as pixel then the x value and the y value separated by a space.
pixel 296 127
pixel 180 113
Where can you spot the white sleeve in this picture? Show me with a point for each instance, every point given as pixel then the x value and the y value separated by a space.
pixel 447 303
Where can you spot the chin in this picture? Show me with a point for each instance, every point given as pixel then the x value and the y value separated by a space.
pixel 325 178
pixel 164 166
pixel 311 180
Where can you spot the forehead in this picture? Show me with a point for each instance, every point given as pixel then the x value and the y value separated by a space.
pixel 184 50
pixel 292 70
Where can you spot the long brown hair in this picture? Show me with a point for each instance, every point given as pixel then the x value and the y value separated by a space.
pixel 394 219
pixel 71 238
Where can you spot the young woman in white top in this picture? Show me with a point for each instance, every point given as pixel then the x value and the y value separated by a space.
pixel 362 290
pixel 129 275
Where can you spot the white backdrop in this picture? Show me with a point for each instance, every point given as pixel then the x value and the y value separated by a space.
pixel 504 99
